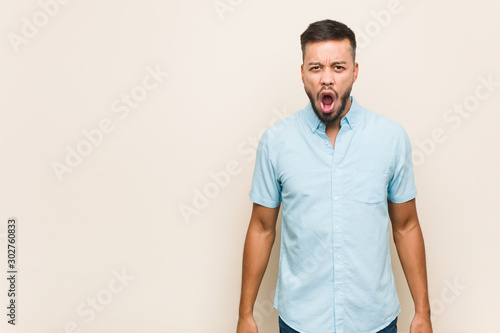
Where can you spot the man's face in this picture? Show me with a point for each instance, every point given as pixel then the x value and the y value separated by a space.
pixel 328 73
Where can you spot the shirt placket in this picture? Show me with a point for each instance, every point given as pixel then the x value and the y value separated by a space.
pixel 341 145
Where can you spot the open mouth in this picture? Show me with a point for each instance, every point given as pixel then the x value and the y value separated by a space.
pixel 327 100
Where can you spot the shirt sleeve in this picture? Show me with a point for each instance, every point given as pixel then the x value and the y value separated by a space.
pixel 266 189
pixel 402 184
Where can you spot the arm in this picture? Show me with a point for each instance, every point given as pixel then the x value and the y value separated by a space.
pixel 410 247
pixel 258 244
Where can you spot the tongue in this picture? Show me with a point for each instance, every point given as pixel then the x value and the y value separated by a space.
pixel 327 103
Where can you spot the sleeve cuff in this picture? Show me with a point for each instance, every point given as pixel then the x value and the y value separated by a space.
pixel 263 202
pixel 403 198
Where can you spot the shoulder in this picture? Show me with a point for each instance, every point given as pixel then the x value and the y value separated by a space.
pixel 383 125
pixel 380 119
pixel 283 128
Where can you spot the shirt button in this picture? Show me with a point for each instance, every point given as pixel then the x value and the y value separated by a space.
pixel 336 198
pixel 337 228
pixel 339 287
pixel 338 257
pixel 326 143
pixel 336 170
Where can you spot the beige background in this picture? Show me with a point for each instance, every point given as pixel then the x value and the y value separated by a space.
pixel 233 69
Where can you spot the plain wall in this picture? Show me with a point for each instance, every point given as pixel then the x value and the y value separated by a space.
pixel 103 245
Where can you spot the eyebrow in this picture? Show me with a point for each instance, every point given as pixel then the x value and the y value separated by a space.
pixel 320 64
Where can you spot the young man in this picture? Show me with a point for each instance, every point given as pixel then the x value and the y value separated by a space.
pixel 339 171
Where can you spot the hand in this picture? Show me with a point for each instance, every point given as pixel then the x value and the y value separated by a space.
pixel 421 323
pixel 247 325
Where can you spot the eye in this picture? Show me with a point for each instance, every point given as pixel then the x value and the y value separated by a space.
pixel 315 68
pixel 339 68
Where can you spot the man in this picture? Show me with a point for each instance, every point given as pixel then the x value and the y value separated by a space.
pixel 340 172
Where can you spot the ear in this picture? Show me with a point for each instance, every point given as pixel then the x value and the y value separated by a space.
pixel 302 72
pixel 356 69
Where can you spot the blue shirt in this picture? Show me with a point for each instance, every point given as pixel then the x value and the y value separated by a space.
pixel 335 271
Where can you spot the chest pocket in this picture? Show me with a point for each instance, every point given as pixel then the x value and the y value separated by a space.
pixel 370 183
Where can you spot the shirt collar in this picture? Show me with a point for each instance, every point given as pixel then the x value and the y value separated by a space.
pixel 352 117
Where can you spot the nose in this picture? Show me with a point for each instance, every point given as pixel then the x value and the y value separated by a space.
pixel 327 77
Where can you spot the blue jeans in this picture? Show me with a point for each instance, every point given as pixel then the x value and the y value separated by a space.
pixel 284 328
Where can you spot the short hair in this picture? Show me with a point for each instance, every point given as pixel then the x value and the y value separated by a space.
pixel 328 30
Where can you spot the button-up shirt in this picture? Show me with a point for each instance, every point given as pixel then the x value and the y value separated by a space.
pixel 335 271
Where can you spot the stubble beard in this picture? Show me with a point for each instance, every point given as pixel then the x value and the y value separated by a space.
pixel 330 118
